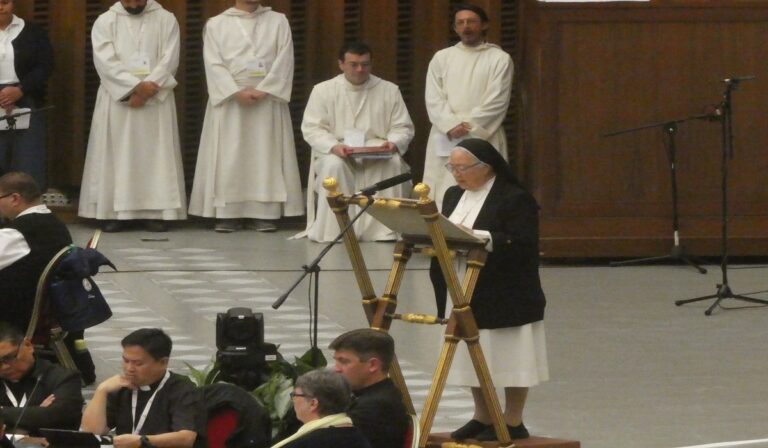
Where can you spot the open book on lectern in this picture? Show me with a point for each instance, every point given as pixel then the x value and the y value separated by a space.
pixel 409 222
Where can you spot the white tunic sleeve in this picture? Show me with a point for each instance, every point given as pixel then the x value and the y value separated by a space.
pixel 488 116
pixel 168 60
pixel 114 75
pixel 13 247
pixel 401 129
pixel 316 126
pixel 279 79
pixel 440 113
pixel 221 83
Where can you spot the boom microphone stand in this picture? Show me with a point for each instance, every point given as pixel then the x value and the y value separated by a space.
pixel 677 252
pixel 7 163
pixel 313 269
pixel 723 289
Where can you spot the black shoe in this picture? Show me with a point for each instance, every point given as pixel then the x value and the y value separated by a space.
pixel 515 433
pixel 112 225
pixel 156 225
pixel 470 430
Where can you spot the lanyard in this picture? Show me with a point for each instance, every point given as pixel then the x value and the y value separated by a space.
pixel 134 399
pixel 12 397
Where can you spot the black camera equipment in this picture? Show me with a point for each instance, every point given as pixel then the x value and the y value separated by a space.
pixel 242 354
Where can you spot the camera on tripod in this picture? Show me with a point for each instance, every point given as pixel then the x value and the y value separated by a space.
pixel 242 354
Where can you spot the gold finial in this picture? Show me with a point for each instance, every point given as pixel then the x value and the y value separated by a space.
pixel 422 191
pixel 331 184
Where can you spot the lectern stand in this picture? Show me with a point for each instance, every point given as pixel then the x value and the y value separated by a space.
pixel 424 230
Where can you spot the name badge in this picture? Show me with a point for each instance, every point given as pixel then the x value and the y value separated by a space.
pixel 138 64
pixel 354 138
pixel 257 68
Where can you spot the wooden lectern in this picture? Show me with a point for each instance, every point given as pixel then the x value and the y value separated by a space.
pixel 424 230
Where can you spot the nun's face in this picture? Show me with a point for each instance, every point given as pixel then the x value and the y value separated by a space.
pixel 469 173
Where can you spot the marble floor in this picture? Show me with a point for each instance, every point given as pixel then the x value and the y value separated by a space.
pixel 628 368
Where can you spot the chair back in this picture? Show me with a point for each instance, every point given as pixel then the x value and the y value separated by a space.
pixel 220 426
pixel 48 332
pixel 413 433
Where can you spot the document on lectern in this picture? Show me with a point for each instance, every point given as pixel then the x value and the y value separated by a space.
pixel 409 222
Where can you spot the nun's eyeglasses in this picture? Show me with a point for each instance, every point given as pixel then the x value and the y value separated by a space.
pixel 460 168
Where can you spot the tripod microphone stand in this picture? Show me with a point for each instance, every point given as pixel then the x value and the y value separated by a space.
pixel 677 252
pixel 724 289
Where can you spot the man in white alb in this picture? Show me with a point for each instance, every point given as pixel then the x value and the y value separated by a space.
pixel 467 95
pixel 354 109
pixel 133 166
pixel 246 166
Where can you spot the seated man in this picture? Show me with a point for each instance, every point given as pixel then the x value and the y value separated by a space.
pixel 363 357
pixel 354 109
pixel 50 392
pixel 27 244
pixel 148 406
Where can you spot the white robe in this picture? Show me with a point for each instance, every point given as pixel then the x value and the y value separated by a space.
pixel 465 84
pixel 246 165
pixel 334 107
pixel 133 167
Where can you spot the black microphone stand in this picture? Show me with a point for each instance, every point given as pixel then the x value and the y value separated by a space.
pixel 7 163
pixel 313 268
pixel 677 252
pixel 724 289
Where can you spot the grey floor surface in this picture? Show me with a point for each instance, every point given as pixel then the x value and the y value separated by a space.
pixel 628 368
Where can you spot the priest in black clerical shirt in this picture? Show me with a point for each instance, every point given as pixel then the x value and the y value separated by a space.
pixel 148 405
pixel 50 392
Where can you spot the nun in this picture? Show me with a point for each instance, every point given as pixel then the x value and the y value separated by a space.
pixel 508 302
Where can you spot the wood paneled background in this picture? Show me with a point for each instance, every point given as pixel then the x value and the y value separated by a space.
pixel 581 70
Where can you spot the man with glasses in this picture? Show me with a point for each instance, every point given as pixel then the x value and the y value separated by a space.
pixel 50 392
pixel 467 95
pixel 354 109
pixel 33 236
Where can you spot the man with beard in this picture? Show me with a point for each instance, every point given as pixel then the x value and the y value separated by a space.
pixel 133 166
pixel 467 95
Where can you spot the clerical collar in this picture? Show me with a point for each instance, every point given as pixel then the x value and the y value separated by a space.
pixel 153 386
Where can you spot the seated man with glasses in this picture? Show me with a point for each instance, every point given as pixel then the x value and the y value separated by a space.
pixel 50 392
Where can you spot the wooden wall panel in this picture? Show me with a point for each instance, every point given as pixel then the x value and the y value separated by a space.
pixel 607 68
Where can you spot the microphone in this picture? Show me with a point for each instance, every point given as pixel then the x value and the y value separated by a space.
pixel 384 184
pixel 736 79
pixel 24 408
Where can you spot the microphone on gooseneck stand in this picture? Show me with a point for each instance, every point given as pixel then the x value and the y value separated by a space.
pixel 384 184
pixel 24 408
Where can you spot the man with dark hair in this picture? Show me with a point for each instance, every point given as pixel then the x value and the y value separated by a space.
pixel 33 236
pixel 354 109
pixel 363 357
pixel 467 94
pixel 50 392
pixel 148 406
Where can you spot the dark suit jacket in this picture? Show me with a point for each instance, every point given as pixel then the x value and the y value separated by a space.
pixel 379 413
pixel 508 291
pixel 33 61
pixel 66 410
